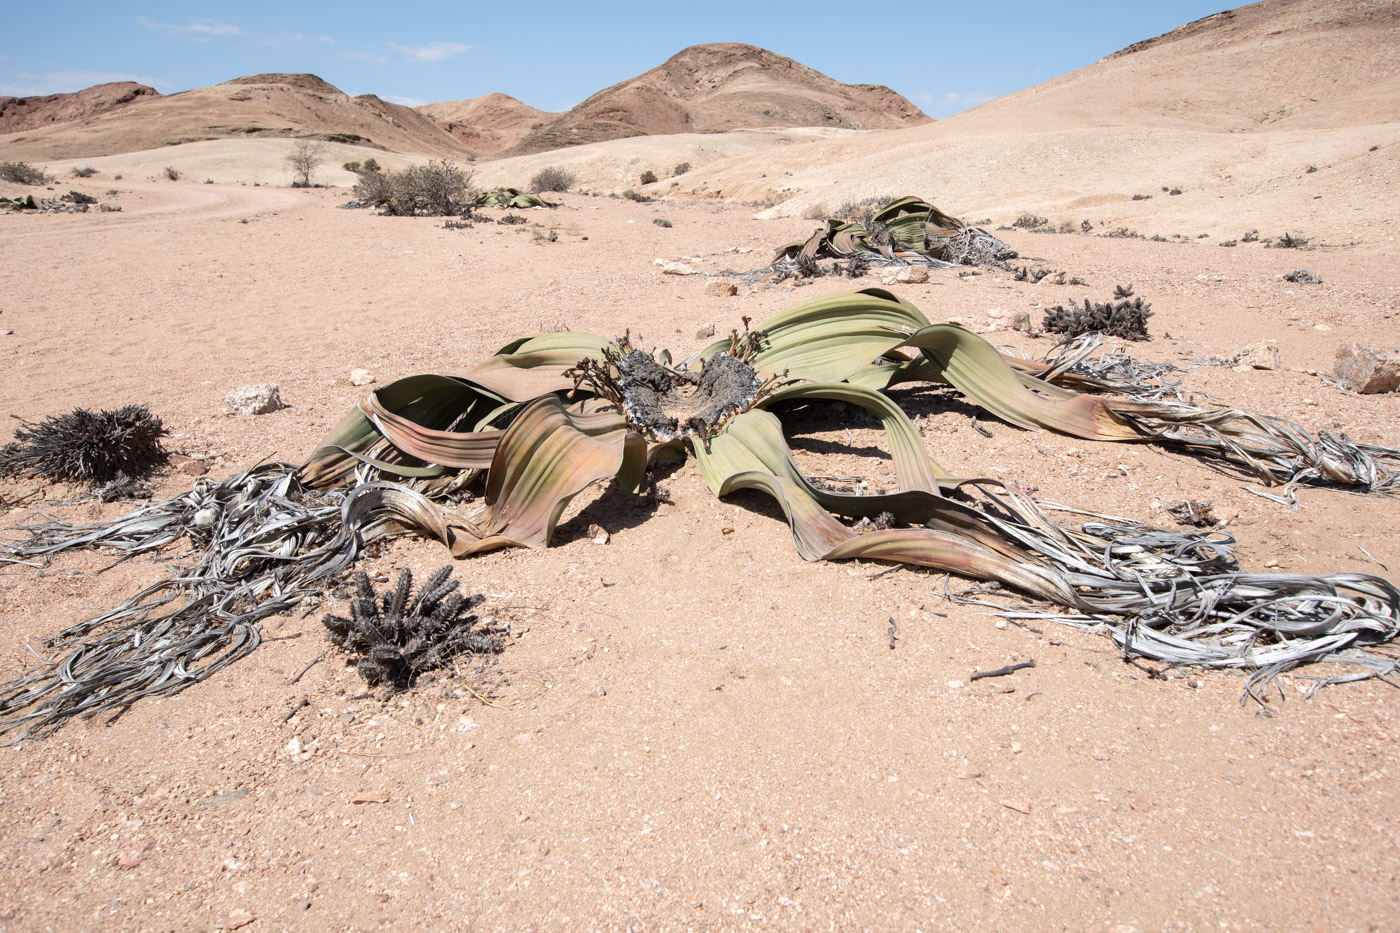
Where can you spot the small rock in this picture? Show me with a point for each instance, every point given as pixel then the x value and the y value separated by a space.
pixel 361 377
pixel 1099 754
pixel 598 534
pixel 1322 328
pixel 256 399
pixel 721 289
pixel 106 208
pixel 677 268
pixel 523 738
pixel 130 858
pixel 238 917
pixel 294 748
pixel 1003 319
pixel 705 332
pixel 912 275
pixel 1367 371
pixel 1263 355
pixel 190 466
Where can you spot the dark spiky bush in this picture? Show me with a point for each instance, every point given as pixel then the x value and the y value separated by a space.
pixel 85 446
pixel 552 179
pixel 400 636
pixel 1030 221
pixel 1289 241
pixel 172 173
pixel 21 173
pixel 1122 318
pixel 86 171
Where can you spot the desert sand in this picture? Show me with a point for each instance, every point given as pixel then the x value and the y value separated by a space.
pixel 690 727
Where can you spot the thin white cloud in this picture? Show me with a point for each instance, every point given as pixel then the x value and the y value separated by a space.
pixel 368 58
pixel 35 84
pixel 949 102
pixel 431 52
pixel 404 101
pixel 199 30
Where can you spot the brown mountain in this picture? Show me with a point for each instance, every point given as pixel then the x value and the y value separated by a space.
pixel 275 105
pixel 487 124
pixel 720 87
pixel 18 114
pixel 1281 115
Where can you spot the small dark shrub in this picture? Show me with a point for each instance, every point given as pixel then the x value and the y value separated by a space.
pixel 631 195
pixel 1125 318
pixel 1174 191
pixel 552 179
pixel 1123 233
pixel 1142 197
pixel 370 165
pixel 1373 149
pixel 86 446
pixel 680 169
pixel 1192 512
pixel 1122 291
pixel 1228 243
pixel 661 222
pixel 112 192
pixel 511 220
pixel 86 171
pixel 21 173
pixel 1029 221
pixel 648 177
pixel 352 167
pixel 77 197
pixel 210 181
pixel 1085 226
pixel 1311 169
pixel 1288 241
pixel 400 636
pixel 1250 236
pixel 172 173
pixel 1302 277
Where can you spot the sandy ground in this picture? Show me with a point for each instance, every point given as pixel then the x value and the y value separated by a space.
pixel 689 729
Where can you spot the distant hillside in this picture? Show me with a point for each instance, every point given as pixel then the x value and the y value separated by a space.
pixel 264 105
pixel 487 124
pixel 722 87
pixel 18 114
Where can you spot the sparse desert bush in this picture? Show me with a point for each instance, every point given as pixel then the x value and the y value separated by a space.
pixel 304 159
pixel 21 173
pixel 1123 317
pixel 86 446
pixel 1067 227
pixel 631 195
pixel 511 220
pixel 438 189
pixel 648 177
pixel 1143 197
pixel 1174 191
pixel 1085 226
pixel 680 169
pixel 1250 236
pixel 87 171
pixel 1302 277
pixel 552 179
pixel 661 222
pixel 77 197
pixel 1311 169
pixel 172 173
pixel 1030 221
pixel 861 208
pixel 1289 241
pixel 208 181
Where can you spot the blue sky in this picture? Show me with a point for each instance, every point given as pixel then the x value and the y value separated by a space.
pixel 943 56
